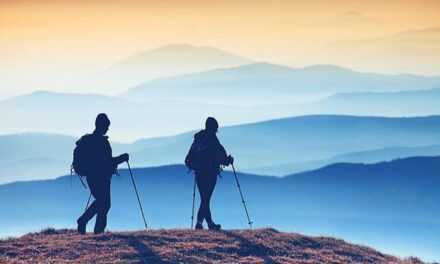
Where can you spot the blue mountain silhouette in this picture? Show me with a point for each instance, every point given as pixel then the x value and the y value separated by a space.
pixel 315 140
pixel 304 138
pixel 401 103
pixel 165 61
pixel 264 80
pixel 368 156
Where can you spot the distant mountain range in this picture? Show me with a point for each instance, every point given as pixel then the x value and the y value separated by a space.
pixel 262 81
pixel 33 156
pixel 74 114
pixel 402 103
pixel 275 147
pixel 242 94
pixel 303 139
pixel 166 61
pixel 391 206
pixel 365 157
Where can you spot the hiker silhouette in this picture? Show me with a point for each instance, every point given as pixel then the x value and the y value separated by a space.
pixel 98 165
pixel 205 157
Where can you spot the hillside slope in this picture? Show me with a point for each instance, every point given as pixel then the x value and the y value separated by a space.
pixel 185 246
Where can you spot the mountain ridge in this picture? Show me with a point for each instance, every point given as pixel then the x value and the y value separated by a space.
pixel 165 61
pixel 363 157
pixel 316 137
pixel 253 80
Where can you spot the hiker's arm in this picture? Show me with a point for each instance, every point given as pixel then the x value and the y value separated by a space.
pixel 223 156
pixel 121 158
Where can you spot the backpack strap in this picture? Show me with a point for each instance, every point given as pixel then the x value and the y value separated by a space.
pixel 79 176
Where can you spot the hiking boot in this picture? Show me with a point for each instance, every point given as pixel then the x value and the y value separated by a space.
pixel 199 226
pixel 214 226
pixel 81 227
pixel 97 232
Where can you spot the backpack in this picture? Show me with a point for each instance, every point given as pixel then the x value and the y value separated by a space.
pixel 81 160
pixel 197 155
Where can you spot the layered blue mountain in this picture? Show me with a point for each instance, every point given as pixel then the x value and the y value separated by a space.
pixel 391 206
pixel 166 61
pixel 401 103
pixel 273 147
pixel 262 81
pixel 248 93
pixel 73 114
pixel 32 156
pixel 369 156
pixel 303 139
pixel 177 59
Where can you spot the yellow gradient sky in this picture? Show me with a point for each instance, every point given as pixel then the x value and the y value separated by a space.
pixel 384 36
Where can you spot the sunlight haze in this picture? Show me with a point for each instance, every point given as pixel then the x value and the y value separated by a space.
pixel 52 45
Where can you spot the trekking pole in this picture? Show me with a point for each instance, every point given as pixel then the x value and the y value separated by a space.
pixel 242 199
pixel 88 201
pixel 137 195
pixel 194 198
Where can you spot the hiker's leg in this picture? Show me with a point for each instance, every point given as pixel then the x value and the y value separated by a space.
pixel 93 208
pixel 206 184
pixel 103 204
pixel 209 190
pixel 201 186
pixel 89 213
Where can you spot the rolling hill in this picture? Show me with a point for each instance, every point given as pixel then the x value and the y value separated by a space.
pixel 185 246
pixel 391 206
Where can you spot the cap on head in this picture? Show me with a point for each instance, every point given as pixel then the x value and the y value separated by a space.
pixel 102 121
pixel 211 124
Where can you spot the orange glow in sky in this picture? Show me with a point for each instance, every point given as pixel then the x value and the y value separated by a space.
pixel 382 36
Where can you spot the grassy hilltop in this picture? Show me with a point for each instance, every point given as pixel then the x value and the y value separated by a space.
pixel 186 246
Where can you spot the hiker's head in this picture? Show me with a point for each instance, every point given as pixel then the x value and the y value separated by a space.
pixel 102 124
pixel 211 125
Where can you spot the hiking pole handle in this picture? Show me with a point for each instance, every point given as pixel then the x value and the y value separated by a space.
pixel 88 201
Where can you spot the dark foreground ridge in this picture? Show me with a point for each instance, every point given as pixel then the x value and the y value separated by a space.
pixel 186 246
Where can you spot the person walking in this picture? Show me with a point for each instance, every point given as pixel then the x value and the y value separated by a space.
pixel 98 165
pixel 205 157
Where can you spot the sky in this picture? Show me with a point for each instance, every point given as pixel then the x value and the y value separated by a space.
pixel 46 44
